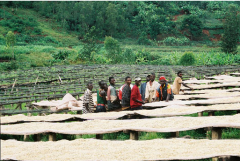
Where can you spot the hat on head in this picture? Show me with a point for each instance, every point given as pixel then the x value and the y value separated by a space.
pixel 162 78
pixel 137 79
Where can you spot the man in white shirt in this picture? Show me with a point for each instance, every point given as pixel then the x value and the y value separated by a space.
pixel 151 87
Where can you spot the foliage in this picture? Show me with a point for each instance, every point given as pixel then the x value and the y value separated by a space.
pixel 172 41
pixel 113 49
pixel 90 45
pixel 231 30
pixel 194 25
pixel 187 59
pixel 61 55
pixel 2 40
pixel 143 40
pixel 10 39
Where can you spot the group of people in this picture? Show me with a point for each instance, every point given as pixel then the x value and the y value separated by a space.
pixel 131 97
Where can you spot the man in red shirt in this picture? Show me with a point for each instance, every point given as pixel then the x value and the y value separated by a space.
pixel 136 98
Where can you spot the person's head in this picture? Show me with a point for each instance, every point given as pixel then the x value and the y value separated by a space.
pixel 104 86
pixel 100 83
pixel 112 80
pixel 162 80
pixel 138 81
pixel 152 77
pixel 148 78
pixel 128 80
pixel 90 86
pixel 179 73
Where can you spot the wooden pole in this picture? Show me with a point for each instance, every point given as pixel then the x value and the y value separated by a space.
pixel 175 134
pixel 216 133
pixel 52 137
pixel 25 137
pixel 133 135
pixel 210 113
pixel 13 84
pixel 37 137
pixel 200 114
pixel 99 136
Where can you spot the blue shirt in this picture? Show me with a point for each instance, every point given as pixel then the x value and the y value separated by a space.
pixel 143 90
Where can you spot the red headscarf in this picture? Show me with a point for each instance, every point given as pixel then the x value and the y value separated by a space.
pixel 162 78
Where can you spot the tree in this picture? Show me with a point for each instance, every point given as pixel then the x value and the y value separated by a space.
pixel 90 46
pixel 10 41
pixel 194 25
pixel 231 31
pixel 111 22
pixel 113 49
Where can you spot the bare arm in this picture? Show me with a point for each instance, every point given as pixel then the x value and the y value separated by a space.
pixel 185 85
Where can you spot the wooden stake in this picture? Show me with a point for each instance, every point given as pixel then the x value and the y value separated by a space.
pixel 37 137
pixel 133 135
pixel 52 137
pixel 25 137
pixel 13 84
pixel 200 114
pixel 210 113
pixel 216 133
pixel 99 136
pixel 174 134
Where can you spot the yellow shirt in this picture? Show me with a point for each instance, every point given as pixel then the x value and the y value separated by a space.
pixel 177 85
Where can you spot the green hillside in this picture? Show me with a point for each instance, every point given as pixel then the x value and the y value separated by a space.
pixel 57 33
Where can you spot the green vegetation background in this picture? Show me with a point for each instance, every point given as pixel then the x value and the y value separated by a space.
pixel 158 33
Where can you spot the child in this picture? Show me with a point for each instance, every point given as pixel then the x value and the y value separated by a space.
pixel 88 104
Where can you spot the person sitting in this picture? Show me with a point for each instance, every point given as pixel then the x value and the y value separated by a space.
pixel 136 99
pixel 178 82
pixel 164 92
pixel 88 103
pixel 113 101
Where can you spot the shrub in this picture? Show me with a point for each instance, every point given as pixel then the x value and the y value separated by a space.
pixel 2 40
pixel 113 49
pixel 50 39
pixel 143 40
pixel 187 59
pixel 128 55
pixel 170 41
pixel 12 65
pixel 61 55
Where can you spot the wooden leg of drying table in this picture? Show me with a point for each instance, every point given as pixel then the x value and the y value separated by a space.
pixel 210 113
pixel 133 135
pixel 175 134
pixel 37 137
pixel 25 137
pixel 200 114
pixel 216 133
pixel 52 137
pixel 99 136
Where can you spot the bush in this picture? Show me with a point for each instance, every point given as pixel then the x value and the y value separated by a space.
pixel 50 39
pixel 113 49
pixel 172 41
pixel 12 65
pixel 128 55
pixel 61 55
pixel 187 59
pixel 143 40
pixel 2 40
